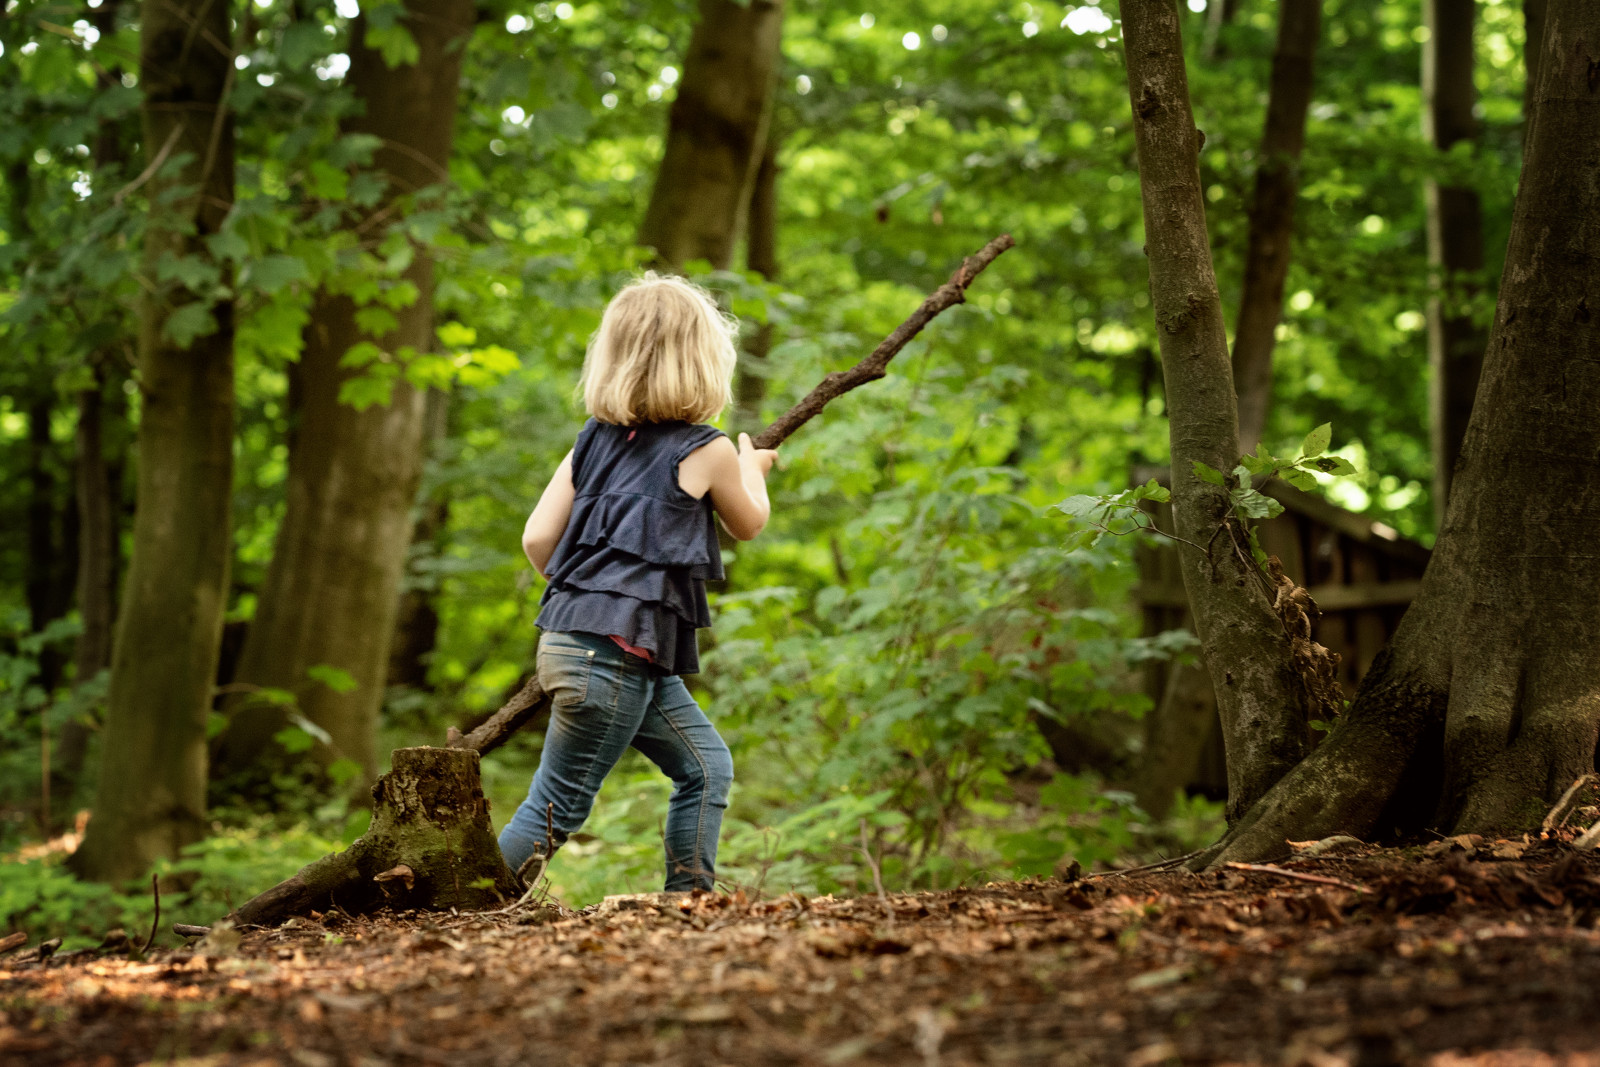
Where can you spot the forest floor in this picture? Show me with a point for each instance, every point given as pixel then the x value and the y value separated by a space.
pixel 1464 952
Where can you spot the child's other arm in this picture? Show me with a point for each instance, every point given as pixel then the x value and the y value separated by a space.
pixel 549 519
pixel 737 481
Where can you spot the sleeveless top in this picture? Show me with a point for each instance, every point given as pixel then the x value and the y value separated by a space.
pixel 637 551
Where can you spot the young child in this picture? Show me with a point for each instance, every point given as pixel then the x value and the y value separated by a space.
pixel 624 534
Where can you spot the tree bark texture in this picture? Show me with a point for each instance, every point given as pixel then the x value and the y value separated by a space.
pixel 151 796
pixel 1455 237
pixel 716 131
pixel 1489 691
pixel 1262 706
pixel 430 845
pixel 332 590
pixel 1269 247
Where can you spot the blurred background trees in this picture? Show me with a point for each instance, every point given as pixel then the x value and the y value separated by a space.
pixel 428 206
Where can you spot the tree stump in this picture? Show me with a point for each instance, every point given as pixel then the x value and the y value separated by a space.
pixel 429 846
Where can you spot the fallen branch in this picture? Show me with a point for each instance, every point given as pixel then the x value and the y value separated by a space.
pixel 12 942
pixel 1160 865
pixel 1563 809
pixel 190 930
pixel 1265 868
pixel 1589 839
pixel 530 700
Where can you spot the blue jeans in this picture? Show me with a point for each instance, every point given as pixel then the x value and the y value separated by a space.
pixel 603 700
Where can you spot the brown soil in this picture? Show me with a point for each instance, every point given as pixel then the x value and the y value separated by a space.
pixel 1469 953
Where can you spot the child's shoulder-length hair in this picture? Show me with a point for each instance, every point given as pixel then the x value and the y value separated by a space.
pixel 664 351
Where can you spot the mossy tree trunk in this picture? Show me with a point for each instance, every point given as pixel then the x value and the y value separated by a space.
pixel 430 845
pixel 716 131
pixel 332 590
pixel 1487 705
pixel 151 797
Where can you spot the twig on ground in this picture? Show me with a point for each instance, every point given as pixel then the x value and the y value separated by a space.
pixel 1318 879
pixel 186 930
pixel 1589 839
pixel 155 920
pixel 1160 866
pixel 877 874
pixel 1563 809
pixel 12 942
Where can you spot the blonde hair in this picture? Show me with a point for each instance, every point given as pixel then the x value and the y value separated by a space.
pixel 664 351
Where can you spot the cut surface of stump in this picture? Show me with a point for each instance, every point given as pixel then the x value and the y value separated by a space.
pixel 430 846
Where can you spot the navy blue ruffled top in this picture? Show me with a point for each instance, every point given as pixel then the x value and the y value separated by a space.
pixel 638 550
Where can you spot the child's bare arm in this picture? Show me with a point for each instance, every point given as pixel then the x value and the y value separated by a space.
pixel 549 519
pixel 736 481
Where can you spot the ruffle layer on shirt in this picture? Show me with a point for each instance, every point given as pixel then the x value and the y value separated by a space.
pixel 657 531
pixel 669 638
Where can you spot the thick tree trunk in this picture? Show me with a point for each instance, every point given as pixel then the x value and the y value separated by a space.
pixel 1455 237
pixel 715 133
pixel 1490 686
pixel 429 846
pixel 332 589
pixel 151 798
pixel 1266 263
pixel 761 256
pixel 1262 705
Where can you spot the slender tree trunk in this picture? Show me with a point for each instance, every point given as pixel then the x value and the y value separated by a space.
pixel 1455 237
pixel 1266 263
pixel 1219 14
pixel 761 256
pixel 1263 709
pixel 332 590
pixel 96 482
pixel 416 631
pixel 715 133
pixel 1489 690
pixel 151 799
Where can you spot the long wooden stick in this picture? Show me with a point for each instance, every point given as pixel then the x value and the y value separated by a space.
pixel 875 366
pixel 1316 879
pixel 531 699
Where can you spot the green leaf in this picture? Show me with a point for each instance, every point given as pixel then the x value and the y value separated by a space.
pixel 1335 465
pixel 1153 490
pixel 1253 505
pixel 395 44
pixel 294 740
pixel 1209 475
pixel 1082 506
pixel 343 770
pixel 1298 478
pixel 1242 475
pixel 1316 442
pixel 340 681
pixel 375 321
pixel 189 322
pixel 273 273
